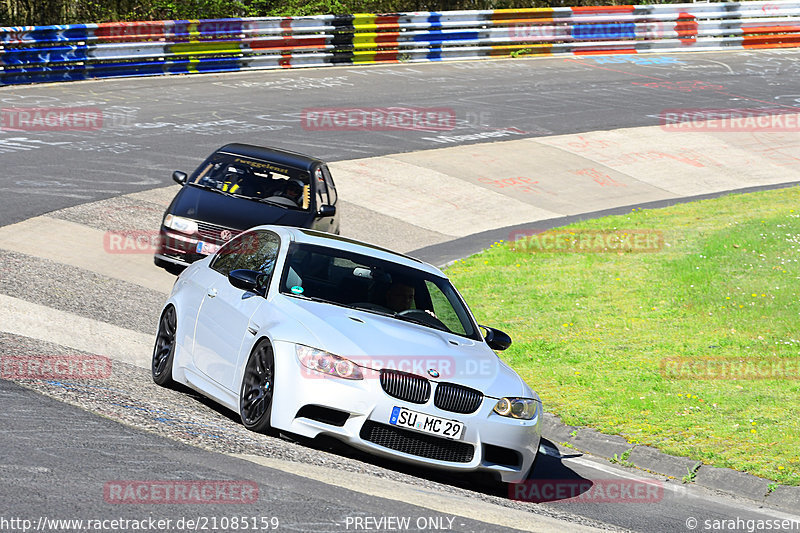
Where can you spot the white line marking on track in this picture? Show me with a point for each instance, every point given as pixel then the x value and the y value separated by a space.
pixel 451 504
pixel 686 490
pixel 73 331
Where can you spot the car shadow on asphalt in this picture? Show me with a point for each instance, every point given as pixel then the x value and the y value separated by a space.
pixel 551 480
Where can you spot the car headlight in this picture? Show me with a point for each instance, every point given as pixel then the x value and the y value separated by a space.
pixel 522 408
pixel 184 225
pixel 327 363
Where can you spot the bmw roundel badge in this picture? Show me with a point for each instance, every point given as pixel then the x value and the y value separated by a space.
pixel 432 372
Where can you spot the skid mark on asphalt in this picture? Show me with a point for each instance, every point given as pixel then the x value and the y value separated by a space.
pixel 598 67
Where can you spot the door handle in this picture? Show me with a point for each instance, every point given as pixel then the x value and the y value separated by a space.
pixel 211 293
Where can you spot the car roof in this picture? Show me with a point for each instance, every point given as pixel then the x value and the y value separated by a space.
pixel 330 240
pixel 275 155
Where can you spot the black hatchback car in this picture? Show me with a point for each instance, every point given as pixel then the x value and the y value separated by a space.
pixel 240 186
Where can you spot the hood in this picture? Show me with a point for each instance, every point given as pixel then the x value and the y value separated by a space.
pixel 228 211
pixel 375 342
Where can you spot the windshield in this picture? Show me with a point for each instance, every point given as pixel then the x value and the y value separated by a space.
pixel 255 180
pixel 362 282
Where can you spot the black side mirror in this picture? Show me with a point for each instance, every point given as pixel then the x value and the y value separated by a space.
pixel 249 280
pixel 326 211
pixel 179 177
pixel 496 339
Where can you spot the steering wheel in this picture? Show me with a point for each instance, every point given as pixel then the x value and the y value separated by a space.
pixel 282 200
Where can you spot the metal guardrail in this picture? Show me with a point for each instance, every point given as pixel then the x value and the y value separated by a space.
pixel 31 54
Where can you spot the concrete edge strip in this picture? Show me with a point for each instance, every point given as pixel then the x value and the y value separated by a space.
pixel 684 490
pixel 446 253
pixel 443 503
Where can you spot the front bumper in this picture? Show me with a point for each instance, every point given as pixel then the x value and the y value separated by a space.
pixel 177 248
pixel 358 412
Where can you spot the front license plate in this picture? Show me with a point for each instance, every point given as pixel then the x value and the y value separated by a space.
pixel 433 425
pixel 207 248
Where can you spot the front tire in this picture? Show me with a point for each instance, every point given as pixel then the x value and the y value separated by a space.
pixel 258 382
pixel 164 350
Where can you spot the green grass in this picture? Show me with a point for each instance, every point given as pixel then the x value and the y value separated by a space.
pixel 591 330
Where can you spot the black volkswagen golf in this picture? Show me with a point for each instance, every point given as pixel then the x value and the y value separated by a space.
pixel 240 186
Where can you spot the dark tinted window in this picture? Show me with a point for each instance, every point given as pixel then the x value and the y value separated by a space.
pixel 225 259
pixel 374 285
pixel 263 255
pixel 255 250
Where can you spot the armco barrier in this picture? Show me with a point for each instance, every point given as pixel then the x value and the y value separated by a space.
pixel 32 54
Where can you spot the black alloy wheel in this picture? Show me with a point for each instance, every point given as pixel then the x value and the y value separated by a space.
pixel 164 350
pixel 255 398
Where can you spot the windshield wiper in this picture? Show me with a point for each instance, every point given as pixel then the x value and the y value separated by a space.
pixel 420 322
pixel 266 201
pixel 349 306
pixel 212 189
pixel 310 298
pixel 369 310
pixel 200 185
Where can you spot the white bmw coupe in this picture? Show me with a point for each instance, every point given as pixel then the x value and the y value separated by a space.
pixel 314 334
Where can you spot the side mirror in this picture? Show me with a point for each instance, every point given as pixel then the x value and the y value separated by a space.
pixel 326 211
pixel 179 177
pixel 248 280
pixel 496 339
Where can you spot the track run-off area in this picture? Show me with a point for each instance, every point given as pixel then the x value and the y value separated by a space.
pixel 528 144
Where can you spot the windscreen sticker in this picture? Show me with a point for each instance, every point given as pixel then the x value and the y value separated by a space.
pixel 297 289
pixel 263 166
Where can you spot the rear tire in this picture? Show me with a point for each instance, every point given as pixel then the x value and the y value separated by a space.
pixel 164 350
pixel 258 382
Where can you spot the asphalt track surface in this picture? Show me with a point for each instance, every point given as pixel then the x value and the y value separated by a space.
pixel 53 461
pixel 153 126
pixel 99 446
